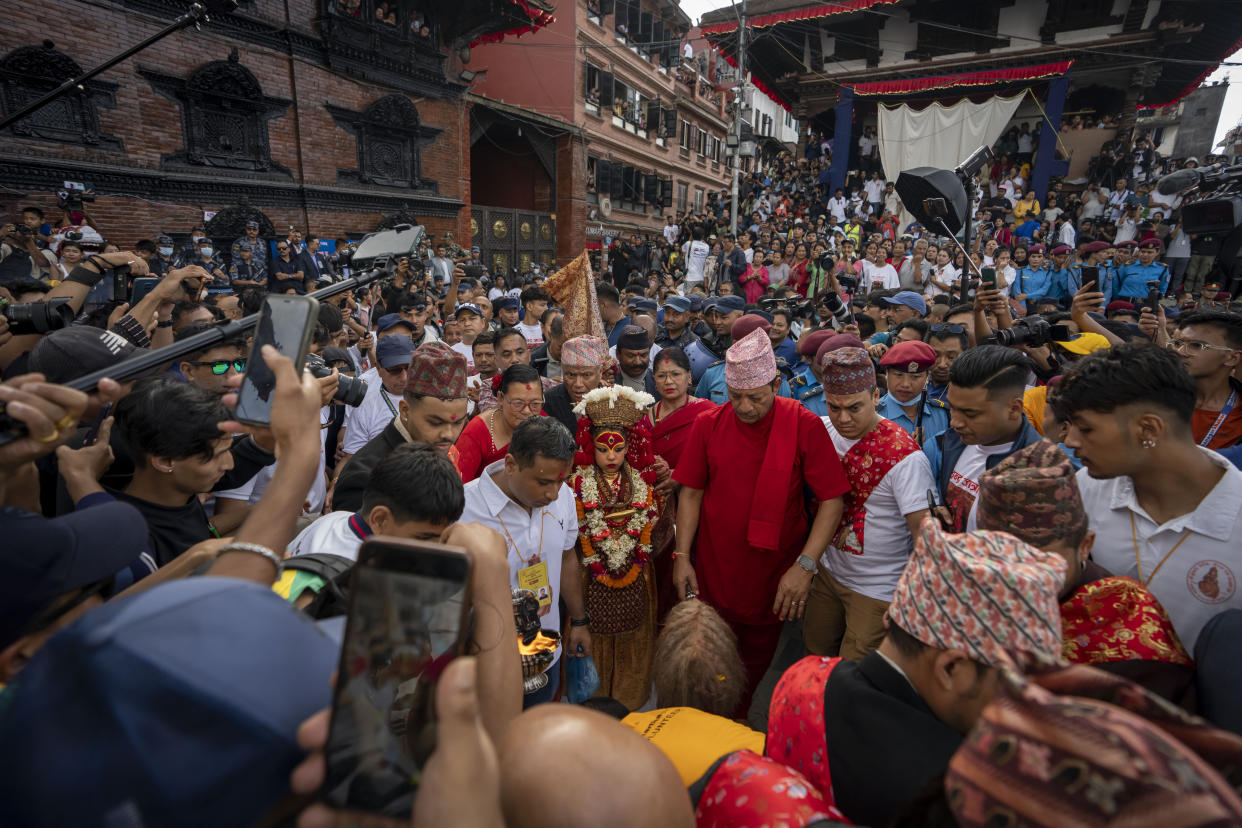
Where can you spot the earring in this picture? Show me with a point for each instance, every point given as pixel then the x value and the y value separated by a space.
pixel 1149 444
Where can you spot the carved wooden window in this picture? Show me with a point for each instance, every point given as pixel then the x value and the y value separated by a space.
pixel 224 116
pixel 30 72
pixel 390 137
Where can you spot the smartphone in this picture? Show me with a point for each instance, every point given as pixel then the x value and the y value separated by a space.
pixel 142 286
pixel 1152 302
pixel 989 278
pixel 287 322
pixel 406 621
pixel 473 271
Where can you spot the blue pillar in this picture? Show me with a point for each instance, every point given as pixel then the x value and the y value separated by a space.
pixel 1046 164
pixel 843 139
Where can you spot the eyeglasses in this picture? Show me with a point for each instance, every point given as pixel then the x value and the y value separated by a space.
pixel 1195 346
pixel 532 406
pixel 945 327
pixel 220 367
pixel 281 249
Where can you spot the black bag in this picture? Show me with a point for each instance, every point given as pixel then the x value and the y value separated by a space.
pixel 333 599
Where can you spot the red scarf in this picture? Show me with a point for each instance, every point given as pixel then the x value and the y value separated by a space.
pixel 796 722
pixel 866 463
pixel 767 509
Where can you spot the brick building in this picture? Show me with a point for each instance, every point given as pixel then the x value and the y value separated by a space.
pixel 333 116
pixel 630 132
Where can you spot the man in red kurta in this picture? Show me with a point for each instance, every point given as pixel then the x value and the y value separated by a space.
pixel 742 510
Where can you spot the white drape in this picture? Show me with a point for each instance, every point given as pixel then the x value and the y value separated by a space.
pixel 939 136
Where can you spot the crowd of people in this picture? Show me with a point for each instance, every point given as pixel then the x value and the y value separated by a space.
pixel 994 506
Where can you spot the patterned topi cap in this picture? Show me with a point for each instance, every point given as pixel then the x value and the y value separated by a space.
pixel 584 352
pixel 1033 495
pixel 847 371
pixel 750 362
pixel 436 370
pixel 986 593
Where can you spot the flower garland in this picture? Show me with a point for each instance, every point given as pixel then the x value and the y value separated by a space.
pixel 614 557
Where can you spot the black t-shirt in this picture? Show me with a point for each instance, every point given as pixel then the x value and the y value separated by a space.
pixel 171 529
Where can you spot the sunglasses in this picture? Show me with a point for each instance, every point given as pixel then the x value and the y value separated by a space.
pixel 945 327
pixel 220 367
pixel 281 249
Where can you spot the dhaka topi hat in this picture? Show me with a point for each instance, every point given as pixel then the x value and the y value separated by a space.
pixel 1033 495
pixel 750 361
pixel 437 371
pixel 584 352
pixel 835 343
pixel 986 593
pixel 912 357
pixel 847 371
pixel 634 338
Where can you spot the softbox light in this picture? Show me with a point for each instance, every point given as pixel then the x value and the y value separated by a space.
pixel 921 183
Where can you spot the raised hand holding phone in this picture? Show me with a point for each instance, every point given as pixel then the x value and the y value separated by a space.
pixel 286 322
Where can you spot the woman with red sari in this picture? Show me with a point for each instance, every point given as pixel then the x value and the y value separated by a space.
pixel 799 278
pixel 485 439
pixel 671 417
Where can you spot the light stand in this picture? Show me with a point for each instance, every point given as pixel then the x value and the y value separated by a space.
pixel 966 172
pixel 197 14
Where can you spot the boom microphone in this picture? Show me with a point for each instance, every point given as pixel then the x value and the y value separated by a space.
pixel 1175 182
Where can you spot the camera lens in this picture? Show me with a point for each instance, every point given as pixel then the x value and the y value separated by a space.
pixel 38 317
pixel 349 390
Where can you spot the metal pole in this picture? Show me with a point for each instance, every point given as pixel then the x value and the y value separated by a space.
pixel 196 13
pixel 737 114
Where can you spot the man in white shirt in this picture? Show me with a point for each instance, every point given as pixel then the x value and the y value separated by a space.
pixel 534 303
pixel 874 190
pixel 986 425
pixel 1117 200
pixel 470 324
pixel 524 497
pixel 383 398
pixel 671 230
pixel 1094 202
pixel 889 479
pixel 1165 511
pixel 837 206
pixel 695 253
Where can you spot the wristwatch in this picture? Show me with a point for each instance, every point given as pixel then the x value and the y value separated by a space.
pixel 584 621
pixel 808 563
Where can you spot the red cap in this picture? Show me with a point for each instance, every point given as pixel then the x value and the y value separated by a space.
pixel 912 357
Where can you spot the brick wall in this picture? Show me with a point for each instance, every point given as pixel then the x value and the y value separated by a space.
pixel 305 139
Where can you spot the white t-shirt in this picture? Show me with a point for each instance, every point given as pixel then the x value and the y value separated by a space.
pixel 533 334
pixel 884 274
pixel 695 253
pixel 253 489
pixel 874 190
pixel 963 492
pixel 1197 581
pixel 545 532
pixel 670 233
pixel 467 351
pixel 947 275
pixel 865 145
pixel 369 419
pixel 1024 142
pixel 330 535
pixel 887 541
pixel 837 206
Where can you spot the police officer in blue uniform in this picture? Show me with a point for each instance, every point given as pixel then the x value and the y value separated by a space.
pixel 1134 277
pixel 712 384
pixel 905 367
pixel 1032 280
pixel 806 374
pixel 720 311
pixel 1062 276
pixel 1106 282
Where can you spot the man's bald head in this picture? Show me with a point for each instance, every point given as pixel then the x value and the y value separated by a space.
pixel 640 787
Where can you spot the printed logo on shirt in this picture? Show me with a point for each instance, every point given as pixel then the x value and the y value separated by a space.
pixel 1211 582
pixel 960 498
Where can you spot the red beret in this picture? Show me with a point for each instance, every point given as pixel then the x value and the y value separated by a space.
pixel 1035 248
pixel 1154 244
pixel 744 325
pixel 1095 247
pixel 911 357
pixel 809 344
pixel 1131 244
pixel 1119 305
pixel 1061 249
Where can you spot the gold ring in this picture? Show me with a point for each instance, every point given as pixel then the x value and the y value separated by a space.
pixel 51 438
pixel 66 422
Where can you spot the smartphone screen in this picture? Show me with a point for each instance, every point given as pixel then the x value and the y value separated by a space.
pixel 286 322
pixel 407 604
pixel 142 286
pixel 989 278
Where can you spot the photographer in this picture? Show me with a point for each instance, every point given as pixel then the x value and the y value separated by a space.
pixel 21 257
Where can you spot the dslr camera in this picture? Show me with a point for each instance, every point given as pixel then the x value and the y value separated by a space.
pixel 830 304
pixel 1034 331
pixel 350 390
pixel 37 317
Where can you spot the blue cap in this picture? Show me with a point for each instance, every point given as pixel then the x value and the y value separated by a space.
pixel 390 320
pixel 908 298
pixel 728 304
pixel 696 304
pixel 394 350
pixel 505 303
pixel 678 303
pixel 183 703
pixel 642 303
pixel 469 307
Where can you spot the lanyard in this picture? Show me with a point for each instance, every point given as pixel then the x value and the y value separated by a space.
pixel 1139 564
pixel 538 556
pixel 1220 419
pixel 387 402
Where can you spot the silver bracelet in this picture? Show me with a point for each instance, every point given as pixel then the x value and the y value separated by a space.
pixel 254 548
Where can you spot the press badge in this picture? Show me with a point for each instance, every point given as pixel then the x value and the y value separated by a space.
pixel 535 578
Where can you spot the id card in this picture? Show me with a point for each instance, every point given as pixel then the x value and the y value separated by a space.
pixel 535 578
